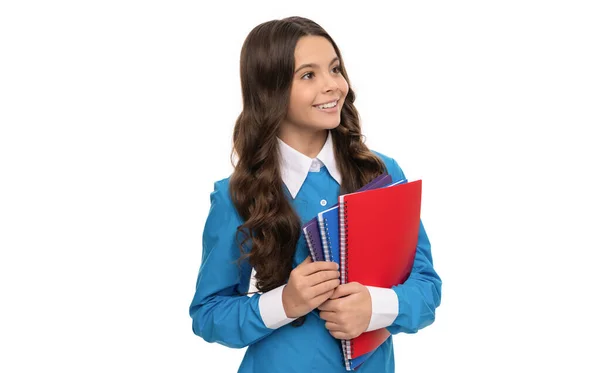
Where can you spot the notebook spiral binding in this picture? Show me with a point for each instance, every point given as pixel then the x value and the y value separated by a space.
pixel 346 345
pixel 325 243
pixel 329 256
pixel 311 244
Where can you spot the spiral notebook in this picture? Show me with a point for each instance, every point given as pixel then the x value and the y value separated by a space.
pixel 311 228
pixel 329 231
pixel 321 234
pixel 387 220
pixel 351 363
pixel 313 240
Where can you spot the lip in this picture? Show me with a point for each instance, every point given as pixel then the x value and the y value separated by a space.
pixel 328 102
pixel 334 110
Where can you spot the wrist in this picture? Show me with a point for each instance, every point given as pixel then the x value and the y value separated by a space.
pixel 286 307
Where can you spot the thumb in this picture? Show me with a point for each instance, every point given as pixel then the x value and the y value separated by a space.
pixel 301 265
pixel 342 291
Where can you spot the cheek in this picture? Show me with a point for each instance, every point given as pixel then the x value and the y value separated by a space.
pixel 343 84
pixel 300 103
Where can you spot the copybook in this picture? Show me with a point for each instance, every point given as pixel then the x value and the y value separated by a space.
pixel 378 235
pixel 322 237
pixel 311 228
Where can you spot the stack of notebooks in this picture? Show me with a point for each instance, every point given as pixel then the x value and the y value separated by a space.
pixel 372 234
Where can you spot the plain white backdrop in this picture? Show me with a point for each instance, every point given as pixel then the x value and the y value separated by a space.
pixel 116 119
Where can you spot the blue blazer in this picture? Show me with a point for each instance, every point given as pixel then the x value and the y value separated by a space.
pixel 219 314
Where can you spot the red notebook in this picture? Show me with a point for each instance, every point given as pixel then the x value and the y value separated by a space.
pixel 379 230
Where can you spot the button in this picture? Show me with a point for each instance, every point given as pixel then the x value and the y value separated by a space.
pixel 315 166
pixel 323 202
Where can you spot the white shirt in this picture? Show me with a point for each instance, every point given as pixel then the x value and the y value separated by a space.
pixel 295 167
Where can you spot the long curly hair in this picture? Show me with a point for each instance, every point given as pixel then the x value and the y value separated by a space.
pixel 256 187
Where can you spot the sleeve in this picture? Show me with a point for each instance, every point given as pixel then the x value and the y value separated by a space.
pixel 218 310
pixel 272 310
pixel 384 307
pixel 421 293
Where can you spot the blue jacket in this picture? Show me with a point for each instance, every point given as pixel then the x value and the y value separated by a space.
pixel 221 315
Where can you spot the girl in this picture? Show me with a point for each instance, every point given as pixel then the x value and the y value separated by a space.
pixel 299 146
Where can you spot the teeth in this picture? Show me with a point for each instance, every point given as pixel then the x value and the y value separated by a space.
pixel 327 106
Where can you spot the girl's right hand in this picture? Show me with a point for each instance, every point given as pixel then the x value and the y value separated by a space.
pixel 310 284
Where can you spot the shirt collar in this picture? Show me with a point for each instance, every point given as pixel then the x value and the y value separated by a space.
pixel 295 166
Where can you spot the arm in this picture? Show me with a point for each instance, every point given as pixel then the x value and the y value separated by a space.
pixel 410 306
pixel 219 313
pixel 421 293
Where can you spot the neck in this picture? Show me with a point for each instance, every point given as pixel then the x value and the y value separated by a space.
pixel 307 142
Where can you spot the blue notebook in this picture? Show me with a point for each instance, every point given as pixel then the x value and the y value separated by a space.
pixel 329 232
pixel 356 362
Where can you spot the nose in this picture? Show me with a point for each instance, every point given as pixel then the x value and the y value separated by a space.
pixel 330 84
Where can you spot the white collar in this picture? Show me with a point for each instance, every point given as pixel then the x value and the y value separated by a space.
pixel 295 166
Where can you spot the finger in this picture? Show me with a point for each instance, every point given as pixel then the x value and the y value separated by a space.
pixel 328 305
pixel 317 301
pixel 328 316
pixel 340 335
pixel 333 327
pixel 337 293
pixel 344 290
pixel 310 268
pixel 322 276
pixel 325 287
pixel 306 260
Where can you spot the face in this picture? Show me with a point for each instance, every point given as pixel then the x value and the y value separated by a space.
pixel 319 83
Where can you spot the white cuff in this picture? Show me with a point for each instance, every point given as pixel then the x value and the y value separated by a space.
pixel 270 305
pixel 384 304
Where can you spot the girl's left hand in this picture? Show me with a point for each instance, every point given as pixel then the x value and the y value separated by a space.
pixel 348 311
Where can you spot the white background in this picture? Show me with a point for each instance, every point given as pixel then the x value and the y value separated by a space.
pixel 116 119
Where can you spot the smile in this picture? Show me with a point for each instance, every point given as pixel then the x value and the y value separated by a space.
pixel 328 105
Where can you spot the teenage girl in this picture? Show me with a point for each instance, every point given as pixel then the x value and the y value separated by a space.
pixel 299 146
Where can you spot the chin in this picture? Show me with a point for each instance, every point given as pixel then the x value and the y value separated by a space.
pixel 337 124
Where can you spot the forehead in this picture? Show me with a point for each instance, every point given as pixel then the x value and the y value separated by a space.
pixel 315 49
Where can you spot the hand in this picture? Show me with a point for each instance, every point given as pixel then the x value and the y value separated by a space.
pixel 310 284
pixel 348 312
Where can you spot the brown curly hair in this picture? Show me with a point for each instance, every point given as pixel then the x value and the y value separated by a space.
pixel 256 186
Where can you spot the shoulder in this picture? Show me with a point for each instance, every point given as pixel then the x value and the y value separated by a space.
pixel 391 165
pixel 221 188
pixel 220 199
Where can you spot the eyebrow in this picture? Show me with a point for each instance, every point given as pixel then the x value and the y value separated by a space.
pixel 315 65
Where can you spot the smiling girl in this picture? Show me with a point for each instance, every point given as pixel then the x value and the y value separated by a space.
pixel 299 145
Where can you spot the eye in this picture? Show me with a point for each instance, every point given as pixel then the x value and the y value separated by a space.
pixel 306 75
pixel 310 73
